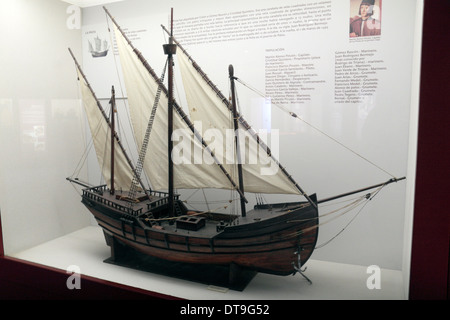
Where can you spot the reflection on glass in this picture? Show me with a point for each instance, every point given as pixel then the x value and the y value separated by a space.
pixel 6 113
pixel 32 124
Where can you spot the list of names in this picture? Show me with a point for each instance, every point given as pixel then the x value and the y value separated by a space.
pixel 356 75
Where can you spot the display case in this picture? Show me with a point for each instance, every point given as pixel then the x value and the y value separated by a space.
pixel 48 235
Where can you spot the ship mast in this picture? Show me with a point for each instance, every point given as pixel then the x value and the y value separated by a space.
pixel 236 138
pixel 170 50
pixel 178 109
pixel 112 102
pixel 244 124
pixel 113 133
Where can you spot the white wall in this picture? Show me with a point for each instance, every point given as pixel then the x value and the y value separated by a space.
pixel 40 124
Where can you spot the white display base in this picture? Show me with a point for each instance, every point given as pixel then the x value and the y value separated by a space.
pixel 86 249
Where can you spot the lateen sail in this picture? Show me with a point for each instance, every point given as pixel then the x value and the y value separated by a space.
pixel 261 176
pixel 141 91
pixel 101 135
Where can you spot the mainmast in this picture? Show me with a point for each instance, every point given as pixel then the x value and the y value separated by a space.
pixel 236 138
pixel 174 104
pixel 170 49
pixel 112 102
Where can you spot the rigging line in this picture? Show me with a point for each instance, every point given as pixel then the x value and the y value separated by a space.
pixel 105 154
pixel 335 203
pixel 82 127
pixel 206 199
pixel 347 208
pixel 76 189
pixel 345 227
pixel 193 193
pixel 211 202
pixel 317 225
pixel 83 159
pixel 351 220
pixel 356 204
pixel 122 135
pixel 88 148
pixel 294 115
pixel 121 89
pixel 114 56
pixel 123 101
pixel 144 144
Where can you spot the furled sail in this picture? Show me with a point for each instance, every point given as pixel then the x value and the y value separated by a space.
pixel 261 172
pixel 101 135
pixel 141 90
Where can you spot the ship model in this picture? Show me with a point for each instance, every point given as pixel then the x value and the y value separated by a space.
pixel 273 238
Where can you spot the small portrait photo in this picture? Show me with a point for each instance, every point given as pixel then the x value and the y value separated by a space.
pixel 365 18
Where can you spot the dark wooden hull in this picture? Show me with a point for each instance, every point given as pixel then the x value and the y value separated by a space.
pixel 267 240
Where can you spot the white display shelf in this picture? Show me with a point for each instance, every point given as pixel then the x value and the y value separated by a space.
pixel 86 249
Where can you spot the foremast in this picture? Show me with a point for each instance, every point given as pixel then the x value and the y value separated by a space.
pixel 108 122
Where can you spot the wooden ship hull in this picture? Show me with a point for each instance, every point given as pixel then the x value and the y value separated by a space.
pixel 275 239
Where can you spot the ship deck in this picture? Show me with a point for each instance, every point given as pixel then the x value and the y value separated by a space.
pixel 214 223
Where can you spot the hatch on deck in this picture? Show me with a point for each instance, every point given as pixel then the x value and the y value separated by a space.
pixel 190 223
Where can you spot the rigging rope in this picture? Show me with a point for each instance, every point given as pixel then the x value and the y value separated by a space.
pixel 118 79
pixel 363 200
pixel 87 150
pixel 124 103
pixel 144 146
pixel 351 220
pixel 105 156
pixel 89 145
pixel 294 115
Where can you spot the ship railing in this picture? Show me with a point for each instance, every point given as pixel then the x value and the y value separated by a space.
pixel 164 199
pixel 89 194
pixel 160 194
pixel 98 189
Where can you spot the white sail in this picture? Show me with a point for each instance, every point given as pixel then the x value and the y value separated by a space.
pixel 141 92
pixel 262 173
pixel 101 135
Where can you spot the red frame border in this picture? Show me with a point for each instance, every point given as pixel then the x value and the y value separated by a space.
pixel 2 250
pixel 430 270
pixel 20 279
